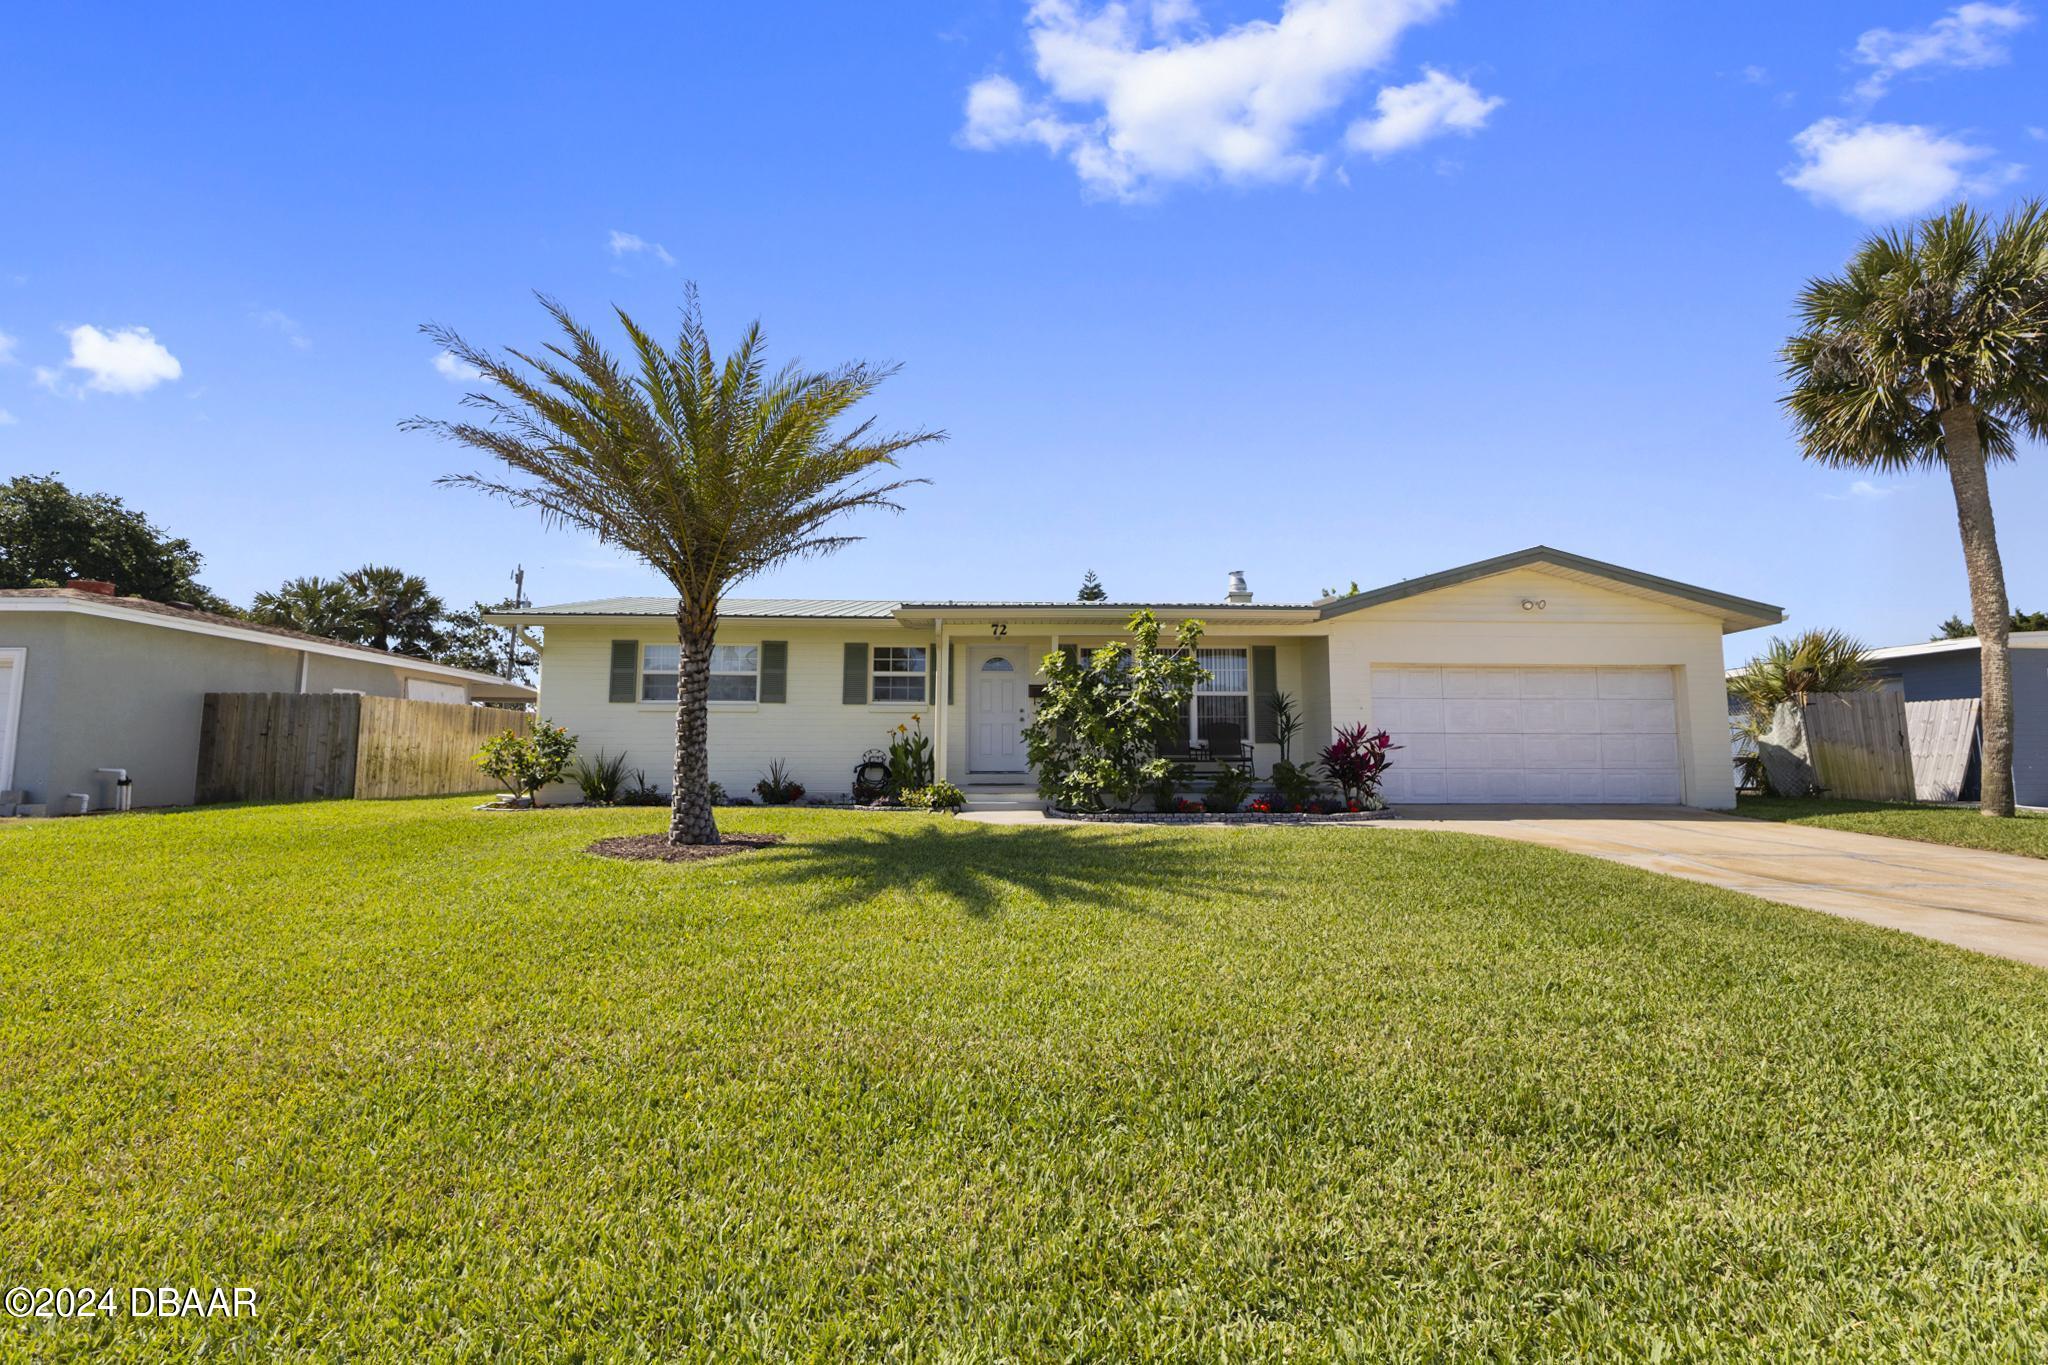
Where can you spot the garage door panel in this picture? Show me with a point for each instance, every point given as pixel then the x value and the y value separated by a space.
pixel 1657 751
pixel 1421 751
pixel 1508 735
pixel 1578 751
pixel 1465 751
pixel 1463 682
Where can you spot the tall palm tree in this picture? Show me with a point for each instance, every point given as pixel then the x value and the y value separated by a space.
pixel 712 471
pixel 395 610
pixel 315 605
pixel 1932 351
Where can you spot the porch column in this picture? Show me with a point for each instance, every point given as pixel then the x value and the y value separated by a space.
pixel 942 678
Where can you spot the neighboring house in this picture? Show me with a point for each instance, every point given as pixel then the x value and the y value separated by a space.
pixel 1946 670
pixel 1538 676
pixel 89 680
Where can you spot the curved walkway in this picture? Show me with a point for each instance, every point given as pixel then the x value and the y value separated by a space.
pixel 1993 903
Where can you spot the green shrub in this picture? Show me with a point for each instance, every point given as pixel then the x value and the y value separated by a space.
pixel 602 779
pixel 1094 739
pixel 644 793
pixel 526 763
pixel 940 795
pixel 910 757
pixel 1292 785
pixel 1228 789
pixel 777 787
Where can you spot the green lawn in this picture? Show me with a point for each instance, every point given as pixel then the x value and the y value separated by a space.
pixel 440 1085
pixel 1962 826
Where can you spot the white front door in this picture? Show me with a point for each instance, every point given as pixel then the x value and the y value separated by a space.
pixel 998 705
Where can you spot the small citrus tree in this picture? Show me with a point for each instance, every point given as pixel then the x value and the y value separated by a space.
pixel 527 763
pixel 1094 741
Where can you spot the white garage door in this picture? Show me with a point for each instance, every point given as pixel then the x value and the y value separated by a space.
pixel 425 689
pixel 1529 734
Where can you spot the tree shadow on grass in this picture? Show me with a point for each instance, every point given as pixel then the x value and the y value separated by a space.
pixel 978 870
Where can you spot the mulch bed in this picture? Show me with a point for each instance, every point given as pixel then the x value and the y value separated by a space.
pixel 655 848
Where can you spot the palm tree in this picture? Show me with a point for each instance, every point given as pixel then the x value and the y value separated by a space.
pixel 315 605
pixel 712 471
pixel 395 610
pixel 1818 662
pixel 1932 351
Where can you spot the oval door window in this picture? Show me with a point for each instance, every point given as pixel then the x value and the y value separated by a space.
pixel 998 666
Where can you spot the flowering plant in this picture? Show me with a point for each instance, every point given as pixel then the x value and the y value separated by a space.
pixel 1186 807
pixel 910 757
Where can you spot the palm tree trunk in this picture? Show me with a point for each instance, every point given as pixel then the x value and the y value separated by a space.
pixel 689 809
pixel 1988 602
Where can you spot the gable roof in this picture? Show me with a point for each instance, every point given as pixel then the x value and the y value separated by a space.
pixel 145 612
pixel 1736 613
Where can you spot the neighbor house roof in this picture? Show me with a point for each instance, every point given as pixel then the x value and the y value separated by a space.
pixel 1736 613
pixel 2022 639
pixel 163 614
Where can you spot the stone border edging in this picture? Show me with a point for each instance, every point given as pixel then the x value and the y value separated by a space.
pixel 1242 817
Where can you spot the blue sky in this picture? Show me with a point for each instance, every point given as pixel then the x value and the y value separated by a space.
pixel 1331 290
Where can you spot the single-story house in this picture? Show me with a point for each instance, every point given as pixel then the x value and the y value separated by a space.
pixel 1951 670
pixel 1538 676
pixel 91 681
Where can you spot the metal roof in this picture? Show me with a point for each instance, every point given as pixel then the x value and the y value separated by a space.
pixel 781 608
pixel 2019 639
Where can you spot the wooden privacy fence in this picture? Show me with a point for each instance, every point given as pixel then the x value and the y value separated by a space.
pixel 1851 745
pixel 290 746
pixel 1943 735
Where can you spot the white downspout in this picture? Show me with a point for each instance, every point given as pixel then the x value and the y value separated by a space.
pixel 305 669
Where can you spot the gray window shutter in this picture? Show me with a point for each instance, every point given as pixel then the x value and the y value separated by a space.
pixel 1265 683
pixel 625 670
pixel 949 672
pixel 1073 653
pixel 854 692
pixel 775 670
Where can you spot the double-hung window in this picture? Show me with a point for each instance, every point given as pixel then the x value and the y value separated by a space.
pixel 899 672
pixel 660 665
pixel 735 672
pixel 1226 696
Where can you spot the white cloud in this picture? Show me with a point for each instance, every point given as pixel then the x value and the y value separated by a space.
pixel 284 326
pixel 455 371
pixel 125 360
pixel 624 244
pixel 1880 171
pixel 1406 115
pixel 1863 490
pixel 7 419
pixel 1968 36
pixel 1133 111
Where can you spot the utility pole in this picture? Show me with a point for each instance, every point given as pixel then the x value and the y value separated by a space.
pixel 512 631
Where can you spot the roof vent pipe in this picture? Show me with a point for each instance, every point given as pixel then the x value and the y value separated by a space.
pixel 1238 593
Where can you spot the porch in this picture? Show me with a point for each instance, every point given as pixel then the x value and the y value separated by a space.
pixel 990 675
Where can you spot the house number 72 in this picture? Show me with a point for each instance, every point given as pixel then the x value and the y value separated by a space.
pixel 999 629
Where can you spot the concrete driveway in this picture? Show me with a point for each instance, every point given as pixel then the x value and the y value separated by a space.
pixel 1991 902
